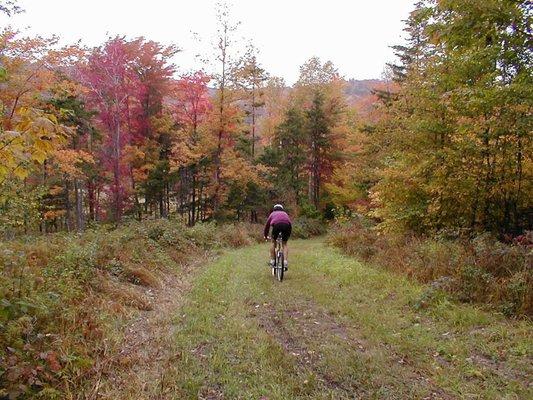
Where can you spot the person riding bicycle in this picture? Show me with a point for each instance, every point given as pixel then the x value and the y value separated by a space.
pixel 280 222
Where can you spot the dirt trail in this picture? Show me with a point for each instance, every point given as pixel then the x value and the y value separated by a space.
pixel 334 329
pixel 302 329
pixel 148 346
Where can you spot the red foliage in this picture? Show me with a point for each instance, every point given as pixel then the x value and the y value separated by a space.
pixel 192 99
pixel 126 81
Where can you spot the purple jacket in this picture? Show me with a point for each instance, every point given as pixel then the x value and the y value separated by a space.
pixel 276 217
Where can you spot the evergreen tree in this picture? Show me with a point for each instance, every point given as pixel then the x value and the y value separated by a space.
pixel 287 157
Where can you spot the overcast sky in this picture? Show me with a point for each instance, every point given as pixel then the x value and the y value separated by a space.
pixel 354 34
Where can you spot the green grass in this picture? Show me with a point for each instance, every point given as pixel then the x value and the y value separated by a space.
pixel 337 329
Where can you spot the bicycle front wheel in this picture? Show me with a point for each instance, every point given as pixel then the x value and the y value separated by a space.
pixel 280 267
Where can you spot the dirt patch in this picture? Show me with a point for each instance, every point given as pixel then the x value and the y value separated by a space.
pixel 502 366
pixel 300 330
pixel 500 369
pixel 309 321
pixel 137 371
pixel 211 393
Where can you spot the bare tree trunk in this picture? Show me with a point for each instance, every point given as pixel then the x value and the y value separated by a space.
pixel 253 121
pixel 223 46
pixel 68 206
pixel 136 197
pixel 80 221
pixel 116 174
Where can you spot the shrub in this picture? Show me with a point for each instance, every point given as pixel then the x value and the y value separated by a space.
pixel 304 227
pixel 62 296
pixel 482 270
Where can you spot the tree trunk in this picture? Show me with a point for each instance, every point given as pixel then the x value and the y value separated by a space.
pixel 116 175
pixel 80 222
pixel 68 206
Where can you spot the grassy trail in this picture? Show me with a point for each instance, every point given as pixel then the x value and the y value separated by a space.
pixel 335 329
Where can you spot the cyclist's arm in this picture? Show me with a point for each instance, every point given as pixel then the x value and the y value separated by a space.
pixel 267 226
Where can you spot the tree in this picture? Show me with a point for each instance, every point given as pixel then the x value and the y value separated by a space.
pixel 127 82
pixel 226 115
pixel 29 134
pixel 275 96
pixel 189 155
pixel 111 86
pixel 151 64
pixel 319 92
pixel 74 162
pixel 287 157
pixel 251 78
pixel 10 7
pixel 457 158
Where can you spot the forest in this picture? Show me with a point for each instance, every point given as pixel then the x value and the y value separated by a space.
pixel 116 170
pixel 111 133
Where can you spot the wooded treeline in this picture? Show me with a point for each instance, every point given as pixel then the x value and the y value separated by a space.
pixel 450 148
pixel 112 132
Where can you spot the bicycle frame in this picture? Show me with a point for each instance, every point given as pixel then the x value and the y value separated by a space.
pixel 279 269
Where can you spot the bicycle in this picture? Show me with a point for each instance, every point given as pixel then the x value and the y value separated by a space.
pixel 278 269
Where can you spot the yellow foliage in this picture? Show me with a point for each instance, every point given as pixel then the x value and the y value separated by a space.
pixel 36 137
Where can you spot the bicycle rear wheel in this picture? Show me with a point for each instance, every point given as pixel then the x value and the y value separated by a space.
pixel 280 266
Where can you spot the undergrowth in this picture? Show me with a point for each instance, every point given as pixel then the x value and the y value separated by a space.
pixel 64 298
pixel 482 270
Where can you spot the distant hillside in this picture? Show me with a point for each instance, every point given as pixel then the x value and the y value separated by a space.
pixel 357 89
pixel 359 95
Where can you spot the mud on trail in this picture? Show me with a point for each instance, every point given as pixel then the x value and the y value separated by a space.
pixel 333 329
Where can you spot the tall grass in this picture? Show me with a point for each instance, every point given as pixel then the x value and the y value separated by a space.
pixel 482 270
pixel 64 298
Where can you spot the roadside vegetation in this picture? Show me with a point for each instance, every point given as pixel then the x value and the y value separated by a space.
pixel 65 298
pixel 336 328
pixel 483 269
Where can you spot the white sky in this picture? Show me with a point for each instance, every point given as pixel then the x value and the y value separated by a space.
pixel 354 34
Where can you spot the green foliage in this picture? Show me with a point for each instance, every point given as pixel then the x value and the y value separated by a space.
pixel 481 270
pixel 20 208
pixel 306 143
pixel 458 132
pixel 287 158
pixel 64 298
pixel 3 74
pixel 308 210
pixel 305 227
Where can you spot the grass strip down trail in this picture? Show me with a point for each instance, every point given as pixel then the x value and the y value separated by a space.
pixel 333 329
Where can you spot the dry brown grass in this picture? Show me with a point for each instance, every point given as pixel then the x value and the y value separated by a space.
pixel 65 297
pixel 481 270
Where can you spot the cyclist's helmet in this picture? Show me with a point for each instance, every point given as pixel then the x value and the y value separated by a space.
pixel 278 207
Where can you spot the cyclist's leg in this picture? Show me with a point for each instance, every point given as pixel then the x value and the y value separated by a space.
pixel 286 235
pixel 275 232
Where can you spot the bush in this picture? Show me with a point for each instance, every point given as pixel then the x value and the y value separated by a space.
pixel 63 297
pixel 304 227
pixel 482 270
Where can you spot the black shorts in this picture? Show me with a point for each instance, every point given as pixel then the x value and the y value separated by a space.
pixel 284 228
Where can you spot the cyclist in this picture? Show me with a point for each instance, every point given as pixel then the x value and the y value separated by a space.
pixel 281 223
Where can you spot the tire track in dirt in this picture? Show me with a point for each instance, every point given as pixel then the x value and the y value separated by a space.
pixel 301 329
